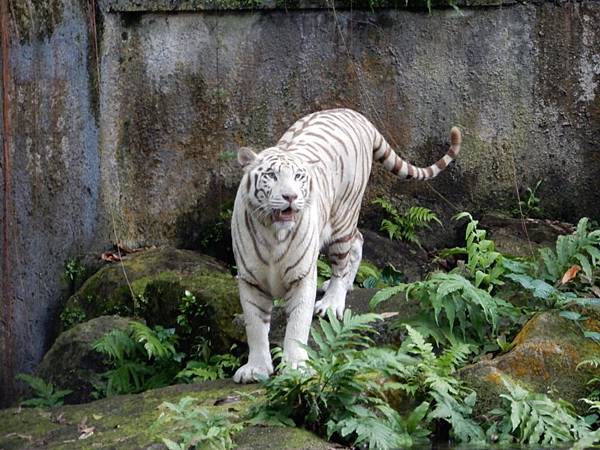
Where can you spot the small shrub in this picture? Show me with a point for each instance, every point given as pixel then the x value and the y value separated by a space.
pixel 534 419
pixel 45 394
pixel 405 226
pixel 192 427
pixel 142 358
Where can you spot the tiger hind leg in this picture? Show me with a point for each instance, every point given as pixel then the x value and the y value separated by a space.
pixel 345 259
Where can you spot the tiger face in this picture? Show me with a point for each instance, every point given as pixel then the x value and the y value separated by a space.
pixel 277 187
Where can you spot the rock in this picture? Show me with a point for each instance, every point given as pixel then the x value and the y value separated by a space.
pixel 71 363
pixel 409 259
pixel 522 238
pixel 124 422
pixel 544 359
pixel 155 284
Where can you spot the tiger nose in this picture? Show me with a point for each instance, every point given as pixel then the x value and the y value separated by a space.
pixel 290 197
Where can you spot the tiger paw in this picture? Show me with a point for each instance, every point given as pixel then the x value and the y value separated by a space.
pixel 335 303
pixel 250 373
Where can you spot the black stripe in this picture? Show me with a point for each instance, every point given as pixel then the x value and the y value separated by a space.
pixel 301 257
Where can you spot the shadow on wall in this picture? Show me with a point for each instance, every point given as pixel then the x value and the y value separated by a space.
pixel 207 226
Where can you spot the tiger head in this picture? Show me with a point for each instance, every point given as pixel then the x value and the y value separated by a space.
pixel 277 187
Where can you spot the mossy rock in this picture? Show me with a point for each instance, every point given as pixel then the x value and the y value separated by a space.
pixel 154 288
pixel 523 238
pixel 544 359
pixel 124 422
pixel 72 364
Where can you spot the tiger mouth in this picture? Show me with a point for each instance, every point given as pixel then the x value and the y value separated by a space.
pixel 284 215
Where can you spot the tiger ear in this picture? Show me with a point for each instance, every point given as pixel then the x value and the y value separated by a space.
pixel 246 156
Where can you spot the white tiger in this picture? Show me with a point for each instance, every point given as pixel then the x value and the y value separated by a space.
pixel 294 199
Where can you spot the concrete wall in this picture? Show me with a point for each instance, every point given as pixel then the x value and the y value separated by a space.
pixel 146 150
pixel 55 171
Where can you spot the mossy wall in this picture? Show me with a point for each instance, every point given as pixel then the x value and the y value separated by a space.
pixel 182 91
pixel 140 145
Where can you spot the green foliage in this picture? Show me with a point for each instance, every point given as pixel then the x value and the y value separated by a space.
pixel 142 358
pixel 191 309
pixel 530 207
pixel 405 226
pixel 323 271
pixel 215 368
pixel 185 426
pixel 368 275
pixel 580 248
pixel 344 389
pixel 593 397
pixel 429 378
pixel 484 264
pixel 337 392
pixel 452 299
pixel 45 394
pixel 74 273
pixel 534 419
pixel 71 316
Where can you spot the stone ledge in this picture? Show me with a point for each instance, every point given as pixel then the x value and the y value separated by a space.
pixel 158 6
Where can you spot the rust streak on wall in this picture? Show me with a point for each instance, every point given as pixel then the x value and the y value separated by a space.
pixel 7 291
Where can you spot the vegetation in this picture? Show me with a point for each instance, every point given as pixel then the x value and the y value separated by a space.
pixel 530 207
pixel 144 358
pixel 368 275
pixel 190 426
pixel 350 391
pixel 44 394
pixel 377 397
pixel 405 226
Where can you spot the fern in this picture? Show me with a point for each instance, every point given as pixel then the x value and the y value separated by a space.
pixel 405 226
pixel 215 368
pixel 580 248
pixel 429 378
pixel 485 265
pixel 535 419
pixel 193 427
pixel 338 394
pixel 44 394
pixel 453 300
pixel 141 359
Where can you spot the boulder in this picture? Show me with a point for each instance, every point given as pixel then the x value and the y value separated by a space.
pixel 154 289
pixel 410 259
pixel 544 359
pixel 124 422
pixel 72 363
pixel 525 237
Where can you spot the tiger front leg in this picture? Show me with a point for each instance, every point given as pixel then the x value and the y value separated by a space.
pixel 299 305
pixel 345 260
pixel 257 317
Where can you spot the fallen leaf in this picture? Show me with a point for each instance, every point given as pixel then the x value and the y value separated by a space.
pixel 386 315
pixel 96 416
pixel 226 400
pixel 83 428
pixel 126 249
pixel 596 291
pixel 25 437
pixel 570 274
pixel 110 257
pixel 60 419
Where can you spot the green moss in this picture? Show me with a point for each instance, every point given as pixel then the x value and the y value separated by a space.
pixel 36 19
pixel 158 280
pixel 544 359
pixel 71 316
pixel 122 422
